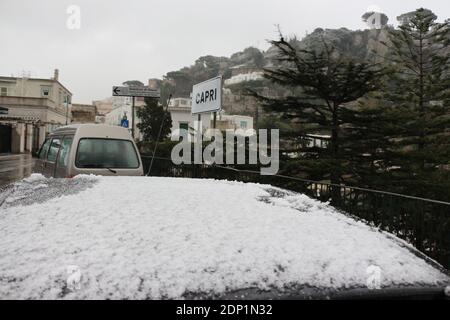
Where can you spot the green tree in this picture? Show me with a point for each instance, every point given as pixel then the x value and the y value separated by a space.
pixel 255 56
pixel 325 86
pixel 133 83
pixel 418 90
pixel 151 116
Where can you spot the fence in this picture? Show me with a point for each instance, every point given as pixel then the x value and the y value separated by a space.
pixel 425 223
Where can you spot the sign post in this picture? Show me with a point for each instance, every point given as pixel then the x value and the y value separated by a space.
pixel 132 117
pixel 134 91
pixel 207 98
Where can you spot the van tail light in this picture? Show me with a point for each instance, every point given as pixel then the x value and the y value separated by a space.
pixel 70 177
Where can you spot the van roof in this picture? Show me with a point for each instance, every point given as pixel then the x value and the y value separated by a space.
pixel 85 125
pixel 94 130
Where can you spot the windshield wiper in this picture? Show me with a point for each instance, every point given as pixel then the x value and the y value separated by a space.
pixel 98 166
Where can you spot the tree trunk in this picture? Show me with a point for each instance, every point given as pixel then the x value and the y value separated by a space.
pixel 335 175
pixel 421 105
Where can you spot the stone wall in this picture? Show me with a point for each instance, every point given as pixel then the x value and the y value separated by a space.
pixel 83 113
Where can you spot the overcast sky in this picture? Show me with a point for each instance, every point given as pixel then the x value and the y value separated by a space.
pixel 132 39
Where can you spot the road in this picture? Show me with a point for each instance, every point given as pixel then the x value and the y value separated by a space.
pixel 14 167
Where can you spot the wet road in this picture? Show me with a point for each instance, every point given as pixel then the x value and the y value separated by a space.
pixel 14 167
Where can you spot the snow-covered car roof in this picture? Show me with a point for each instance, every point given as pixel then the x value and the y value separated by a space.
pixel 157 238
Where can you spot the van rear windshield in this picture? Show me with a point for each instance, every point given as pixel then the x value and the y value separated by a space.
pixel 106 153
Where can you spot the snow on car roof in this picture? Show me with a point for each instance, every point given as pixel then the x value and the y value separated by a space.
pixel 152 238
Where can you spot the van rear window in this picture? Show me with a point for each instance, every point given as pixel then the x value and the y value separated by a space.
pixel 106 153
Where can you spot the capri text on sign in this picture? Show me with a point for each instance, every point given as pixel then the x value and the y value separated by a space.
pixel 207 96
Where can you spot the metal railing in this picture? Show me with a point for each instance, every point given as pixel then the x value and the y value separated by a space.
pixel 424 223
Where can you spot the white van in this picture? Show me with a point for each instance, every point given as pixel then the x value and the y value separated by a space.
pixel 89 149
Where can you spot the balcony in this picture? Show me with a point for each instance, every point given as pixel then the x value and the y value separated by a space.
pixel 13 101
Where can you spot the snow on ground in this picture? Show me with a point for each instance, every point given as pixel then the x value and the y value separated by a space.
pixel 148 237
pixel 243 77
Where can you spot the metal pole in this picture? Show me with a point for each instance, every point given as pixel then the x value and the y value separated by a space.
pixel 214 119
pixel 132 117
pixel 197 168
pixel 67 112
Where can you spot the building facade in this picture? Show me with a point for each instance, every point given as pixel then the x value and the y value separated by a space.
pixel 121 108
pixel 30 109
pixel 102 107
pixel 234 122
pixel 180 112
pixel 83 113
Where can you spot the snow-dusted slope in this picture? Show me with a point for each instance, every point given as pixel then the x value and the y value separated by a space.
pixel 142 237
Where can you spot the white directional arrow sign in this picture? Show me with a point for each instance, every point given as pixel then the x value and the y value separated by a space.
pixel 120 91
pixel 143 92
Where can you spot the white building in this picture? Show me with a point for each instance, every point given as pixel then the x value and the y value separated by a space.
pixel 121 107
pixel 244 77
pixel 234 122
pixel 31 108
pixel 102 108
pixel 180 112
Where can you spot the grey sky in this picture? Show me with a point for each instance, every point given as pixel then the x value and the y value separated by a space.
pixel 124 40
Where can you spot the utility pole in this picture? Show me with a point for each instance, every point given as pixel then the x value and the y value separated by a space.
pixel 159 134
pixel 132 117
pixel 67 110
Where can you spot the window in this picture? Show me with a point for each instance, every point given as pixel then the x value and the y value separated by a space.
pixel 67 100
pixel 184 129
pixel 44 148
pixel 243 124
pixel 53 151
pixel 64 152
pixel 45 91
pixel 3 91
pixel 184 126
pixel 106 153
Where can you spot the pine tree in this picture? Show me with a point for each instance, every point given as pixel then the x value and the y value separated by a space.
pixel 324 87
pixel 133 83
pixel 418 91
pixel 151 116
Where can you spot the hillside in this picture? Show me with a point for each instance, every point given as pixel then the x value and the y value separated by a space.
pixel 245 68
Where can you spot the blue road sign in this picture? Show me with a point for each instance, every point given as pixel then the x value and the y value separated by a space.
pixel 124 123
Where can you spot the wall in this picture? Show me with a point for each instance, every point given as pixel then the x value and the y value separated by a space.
pixel 180 115
pixel 103 106
pixel 83 113
pixel 30 107
pixel 32 88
